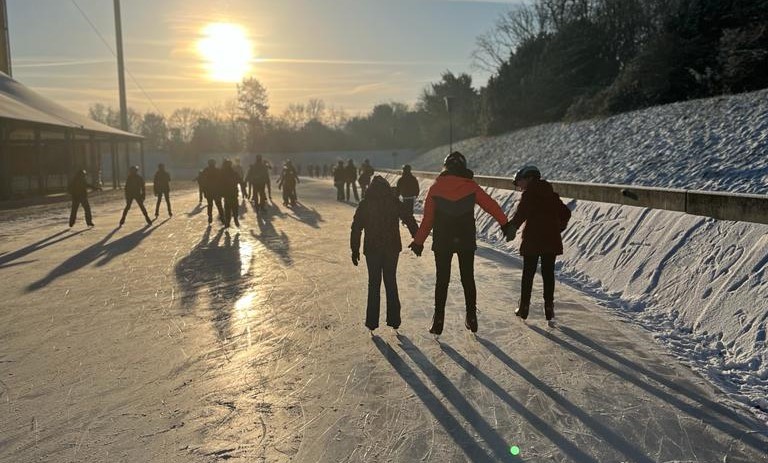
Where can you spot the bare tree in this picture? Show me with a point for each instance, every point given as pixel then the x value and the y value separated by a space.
pixel 295 116
pixel 315 109
pixel 183 120
pixel 512 28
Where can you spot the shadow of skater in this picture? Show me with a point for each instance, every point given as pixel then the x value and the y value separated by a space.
pixel 747 434
pixel 460 436
pixel 36 246
pixel 102 249
pixel 568 448
pixel 497 444
pixel 613 439
pixel 307 215
pixel 212 267
pixel 198 209
pixel 275 242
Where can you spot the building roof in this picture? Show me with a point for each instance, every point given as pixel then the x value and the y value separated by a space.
pixel 19 103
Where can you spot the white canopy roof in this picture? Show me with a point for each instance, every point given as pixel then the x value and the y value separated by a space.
pixel 20 103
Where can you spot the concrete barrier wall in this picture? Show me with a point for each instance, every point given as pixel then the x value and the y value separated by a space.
pixel 721 206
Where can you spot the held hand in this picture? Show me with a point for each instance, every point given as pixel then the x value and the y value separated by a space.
pixel 416 248
pixel 355 258
pixel 509 231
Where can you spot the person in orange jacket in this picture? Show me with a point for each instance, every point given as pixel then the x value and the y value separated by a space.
pixel 449 210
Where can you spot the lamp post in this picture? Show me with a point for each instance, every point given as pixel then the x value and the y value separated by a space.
pixel 449 108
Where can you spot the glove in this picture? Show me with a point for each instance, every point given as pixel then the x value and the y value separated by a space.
pixel 509 231
pixel 416 248
pixel 355 258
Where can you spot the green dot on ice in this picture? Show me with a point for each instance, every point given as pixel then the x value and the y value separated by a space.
pixel 514 450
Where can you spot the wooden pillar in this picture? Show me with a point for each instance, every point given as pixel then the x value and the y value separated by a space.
pixel 41 180
pixel 127 156
pixel 141 150
pixel 5 177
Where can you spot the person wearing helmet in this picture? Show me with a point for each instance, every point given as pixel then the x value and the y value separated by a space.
pixel 408 187
pixel 378 214
pixel 545 217
pixel 449 211
pixel 135 190
pixel 78 189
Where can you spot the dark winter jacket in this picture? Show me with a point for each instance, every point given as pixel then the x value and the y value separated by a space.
pixel 258 173
pixel 209 182
pixel 407 186
pixel 339 174
pixel 366 173
pixel 450 209
pixel 162 182
pixel 288 178
pixel 378 214
pixel 350 173
pixel 134 187
pixel 545 217
pixel 229 180
pixel 78 186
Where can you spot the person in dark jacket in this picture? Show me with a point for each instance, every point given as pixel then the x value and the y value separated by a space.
pixel 135 190
pixel 339 179
pixel 78 189
pixel 350 179
pixel 162 187
pixel 545 217
pixel 288 180
pixel 199 180
pixel 450 209
pixel 229 182
pixel 378 214
pixel 408 187
pixel 209 179
pixel 258 176
pixel 238 168
pixel 366 173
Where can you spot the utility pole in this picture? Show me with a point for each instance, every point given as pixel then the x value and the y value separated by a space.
pixel 121 82
pixel 5 42
pixel 449 107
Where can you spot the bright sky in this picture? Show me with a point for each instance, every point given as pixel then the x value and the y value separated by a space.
pixel 350 53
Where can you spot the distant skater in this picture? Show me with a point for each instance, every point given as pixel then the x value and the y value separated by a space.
pixel 408 187
pixel 78 189
pixel 350 180
pixel 545 218
pixel 378 214
pixel 135 190
pixel 238 168
pixel 450 209
pixel 162 188
pixel 289 178
pixel 258 176
pixel 229 182
pixel 366 173
pixel 339 179
pixel 199 180
pixel 209 178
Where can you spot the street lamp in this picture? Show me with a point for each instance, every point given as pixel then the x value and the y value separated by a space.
pixel 449 108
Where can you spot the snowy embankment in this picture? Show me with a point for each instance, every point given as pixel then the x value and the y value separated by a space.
pixel 699 284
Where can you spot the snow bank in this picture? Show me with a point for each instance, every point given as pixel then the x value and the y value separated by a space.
pixel 716 144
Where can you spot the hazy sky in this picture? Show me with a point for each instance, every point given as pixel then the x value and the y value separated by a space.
pixel 350 53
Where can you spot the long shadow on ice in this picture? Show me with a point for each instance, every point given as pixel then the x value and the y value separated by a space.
pixel 487 433
pixel 451 425
pixel 713 414
pixel 274 241
pixel 567 447
pixel 8 257
pixel 613 439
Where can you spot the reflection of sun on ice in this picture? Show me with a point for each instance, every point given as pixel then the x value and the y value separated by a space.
pixel 226 50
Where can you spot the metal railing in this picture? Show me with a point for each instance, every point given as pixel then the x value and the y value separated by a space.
pixel 722 206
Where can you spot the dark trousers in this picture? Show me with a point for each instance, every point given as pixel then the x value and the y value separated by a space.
pixel 353 185
pixel 76 203
pixel 199 194
pixel 259 194
pixel 339 191
pixel 289 195
pixel 382 266
pixel 408 203
pixel 231 210
pixel 217 201
pixel 547 274
pixel 140 202
pixel 160 196
pixel 244 189
pixel 363 189
pixel 443 277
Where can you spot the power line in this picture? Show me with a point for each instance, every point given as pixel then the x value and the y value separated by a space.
pixel 109 47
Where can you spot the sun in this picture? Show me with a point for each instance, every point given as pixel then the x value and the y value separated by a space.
pixel 227 51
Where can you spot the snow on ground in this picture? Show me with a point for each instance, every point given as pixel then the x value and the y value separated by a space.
pixel 182 343
pixel 700 285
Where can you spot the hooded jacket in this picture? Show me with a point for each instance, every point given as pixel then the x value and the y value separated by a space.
pixel 450 209
pixel 545 217
pixel 378 214
pixel 408 186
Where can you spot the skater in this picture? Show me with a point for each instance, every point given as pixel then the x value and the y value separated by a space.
pixel 135 190
pixel 289 178
pixel 269 180
pixel 339 179
pixel 407 187
pixel 78 189
pixel 449 208
pixel 162 187
pixel 258 176
pixel 210 182
pixel 378 214
pixel 545 217
pixel 229 181
pixel 241 177
pixel 366 173
pixel 198 179
pixel 350 179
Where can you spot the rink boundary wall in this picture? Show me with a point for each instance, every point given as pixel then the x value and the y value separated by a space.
pixel 721 206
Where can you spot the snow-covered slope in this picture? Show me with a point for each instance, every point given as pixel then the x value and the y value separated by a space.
pixel 712 144
pixel 699 284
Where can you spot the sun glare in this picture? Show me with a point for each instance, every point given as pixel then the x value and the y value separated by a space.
pixel 226 50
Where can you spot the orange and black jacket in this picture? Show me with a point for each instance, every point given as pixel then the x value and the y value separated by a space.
pixel 449 210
